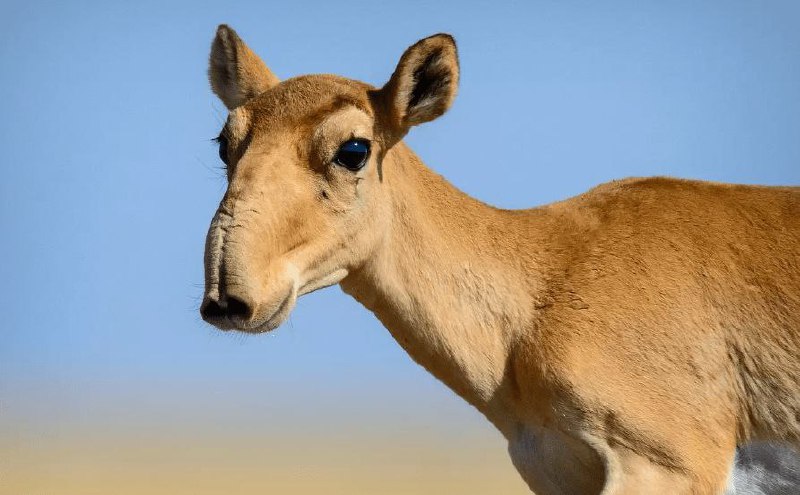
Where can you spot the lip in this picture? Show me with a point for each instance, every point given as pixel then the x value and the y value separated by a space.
pixel 269 320
pixel 264 322
pixel 278 316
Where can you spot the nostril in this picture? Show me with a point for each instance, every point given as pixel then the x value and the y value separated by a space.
pixel 212 309
pixel 237 307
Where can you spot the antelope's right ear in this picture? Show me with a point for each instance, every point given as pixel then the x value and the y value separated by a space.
pixel 235 72
pixel 424 83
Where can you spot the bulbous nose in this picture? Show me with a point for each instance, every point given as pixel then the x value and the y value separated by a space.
pixel 227 306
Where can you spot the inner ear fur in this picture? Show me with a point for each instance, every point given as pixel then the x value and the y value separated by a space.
pixel 424 84
pixel 235 72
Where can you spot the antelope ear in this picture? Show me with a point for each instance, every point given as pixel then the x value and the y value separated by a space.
pixel 235 72
pixel 424 83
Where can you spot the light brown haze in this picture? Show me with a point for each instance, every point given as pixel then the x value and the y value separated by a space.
pixel 624 341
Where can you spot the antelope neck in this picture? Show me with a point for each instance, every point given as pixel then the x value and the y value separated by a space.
pixel 446 279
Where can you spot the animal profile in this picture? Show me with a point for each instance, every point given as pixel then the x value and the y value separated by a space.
pixel 624 341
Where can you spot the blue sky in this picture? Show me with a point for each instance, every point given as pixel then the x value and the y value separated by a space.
pixel 110 178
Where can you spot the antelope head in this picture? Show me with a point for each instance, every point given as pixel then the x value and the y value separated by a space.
pixel 306 202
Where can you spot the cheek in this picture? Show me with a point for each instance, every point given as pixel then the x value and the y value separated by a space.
pixel 342 190
pixel 360 206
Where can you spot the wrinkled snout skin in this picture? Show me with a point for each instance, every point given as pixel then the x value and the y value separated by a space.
pixel 245 263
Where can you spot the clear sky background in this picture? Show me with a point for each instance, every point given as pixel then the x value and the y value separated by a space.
pixel 108 377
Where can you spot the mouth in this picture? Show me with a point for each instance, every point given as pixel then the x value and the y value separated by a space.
pixel 226 318
pixel 232 314
pixel 272 322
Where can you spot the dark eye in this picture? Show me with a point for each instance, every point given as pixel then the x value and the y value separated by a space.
pixel 352 154
pixel 223 148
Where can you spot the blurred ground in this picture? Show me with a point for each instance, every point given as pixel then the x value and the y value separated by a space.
pixel 185 461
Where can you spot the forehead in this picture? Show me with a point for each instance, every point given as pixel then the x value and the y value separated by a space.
pixel 305 102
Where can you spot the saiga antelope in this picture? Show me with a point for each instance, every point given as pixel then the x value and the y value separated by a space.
pixel 624 341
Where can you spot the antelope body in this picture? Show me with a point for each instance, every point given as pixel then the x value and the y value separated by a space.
pixel 623 341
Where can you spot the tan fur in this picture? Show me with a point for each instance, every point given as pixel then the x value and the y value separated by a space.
pixel 625 340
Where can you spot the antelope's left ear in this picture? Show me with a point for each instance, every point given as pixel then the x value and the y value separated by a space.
pixel 424 84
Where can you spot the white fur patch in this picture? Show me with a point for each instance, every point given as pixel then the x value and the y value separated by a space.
pixel 552 463
pixel 762 468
